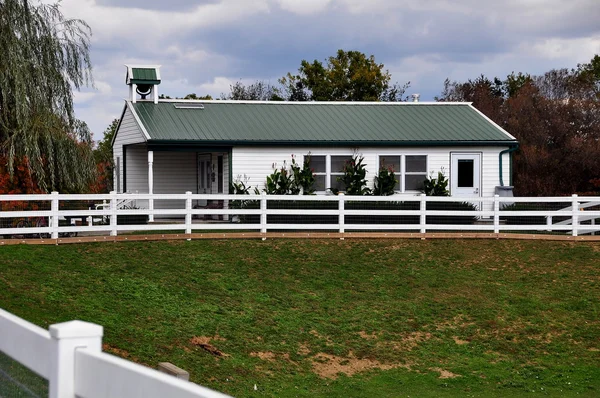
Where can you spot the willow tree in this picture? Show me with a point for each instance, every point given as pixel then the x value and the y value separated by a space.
pixel 44 56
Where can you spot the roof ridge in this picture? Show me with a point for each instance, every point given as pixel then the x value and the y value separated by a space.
pixel 307 103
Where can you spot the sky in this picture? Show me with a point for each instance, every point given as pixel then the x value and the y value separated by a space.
pixel 204 46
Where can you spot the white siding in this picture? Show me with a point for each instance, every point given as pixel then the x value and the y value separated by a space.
pixel 257 163
pixel 128 133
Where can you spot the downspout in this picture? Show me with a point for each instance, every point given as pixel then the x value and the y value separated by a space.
pixel 230 160
pixel 509 151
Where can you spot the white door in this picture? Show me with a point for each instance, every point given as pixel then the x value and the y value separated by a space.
pixel 465 174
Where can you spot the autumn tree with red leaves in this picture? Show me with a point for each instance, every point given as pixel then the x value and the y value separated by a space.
pixel 555 117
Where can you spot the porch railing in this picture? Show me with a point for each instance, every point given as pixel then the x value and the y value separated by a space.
pixel 56 216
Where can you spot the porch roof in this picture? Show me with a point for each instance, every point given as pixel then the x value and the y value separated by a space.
pixel 329 123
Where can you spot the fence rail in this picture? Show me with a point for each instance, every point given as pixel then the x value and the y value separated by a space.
pixel 53 216
pixel 70 357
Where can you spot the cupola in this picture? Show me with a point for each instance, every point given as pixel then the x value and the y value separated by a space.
pixel 143 81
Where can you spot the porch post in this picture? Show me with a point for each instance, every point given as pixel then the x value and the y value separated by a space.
pixel 150 184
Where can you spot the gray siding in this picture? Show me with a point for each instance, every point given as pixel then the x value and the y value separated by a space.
pixel 129 133
pixel 174 172
pixel 137 169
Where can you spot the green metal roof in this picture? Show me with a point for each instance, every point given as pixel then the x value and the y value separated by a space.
pixel 144 76
pixel 331 123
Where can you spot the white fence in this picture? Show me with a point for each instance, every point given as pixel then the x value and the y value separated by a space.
pixel 56 216
pixel 70 357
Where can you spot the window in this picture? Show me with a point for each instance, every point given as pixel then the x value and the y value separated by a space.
pixel 337 170
pixel 465 173
pixel 393 163
pixel 410 170
pixel 319 169
pixel 327 169
pixel 415 172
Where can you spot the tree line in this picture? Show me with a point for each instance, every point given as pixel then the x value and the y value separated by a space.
pixel 554 116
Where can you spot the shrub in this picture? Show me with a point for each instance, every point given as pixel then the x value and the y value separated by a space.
pixel 385 182
pixel 239 186
pixel 354 179
pixel 294 181
pixel 304 178
pixel 280 182
pixel 436 186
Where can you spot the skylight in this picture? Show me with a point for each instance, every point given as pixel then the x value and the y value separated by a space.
pixel 188 106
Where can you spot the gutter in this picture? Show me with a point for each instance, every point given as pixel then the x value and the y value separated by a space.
pixel 509 151
pixel 351 143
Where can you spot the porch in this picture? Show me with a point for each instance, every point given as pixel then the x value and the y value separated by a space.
pixel 162 170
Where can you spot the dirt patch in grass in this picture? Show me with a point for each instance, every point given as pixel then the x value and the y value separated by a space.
pixel 445 374
pixel 366 336
pixel 121 353
pixel 303 349
pixel 330 366
pixel 458 322
pixel 459 341
pixel 116 351
pixel 408 342
pixel 545 338
pixel 327 339
pixel 265 356
pixel 204 343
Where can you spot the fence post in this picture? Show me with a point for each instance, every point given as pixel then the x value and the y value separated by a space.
pixel 66 338
pixel 55 214
pixel 113 213
pixel 423 214
pixel 341 199
pixel 575 210
pixel 188 213
pixel 263 214
pixel 496 214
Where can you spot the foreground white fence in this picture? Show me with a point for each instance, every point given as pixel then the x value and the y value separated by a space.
pixel 70 357
pixel 57 216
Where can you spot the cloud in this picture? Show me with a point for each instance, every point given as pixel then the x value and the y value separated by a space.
pixel 220 85
pixel 205 46
pixel 156 4
pixel 304 7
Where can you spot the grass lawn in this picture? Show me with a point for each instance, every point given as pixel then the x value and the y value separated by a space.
pixel 320 318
